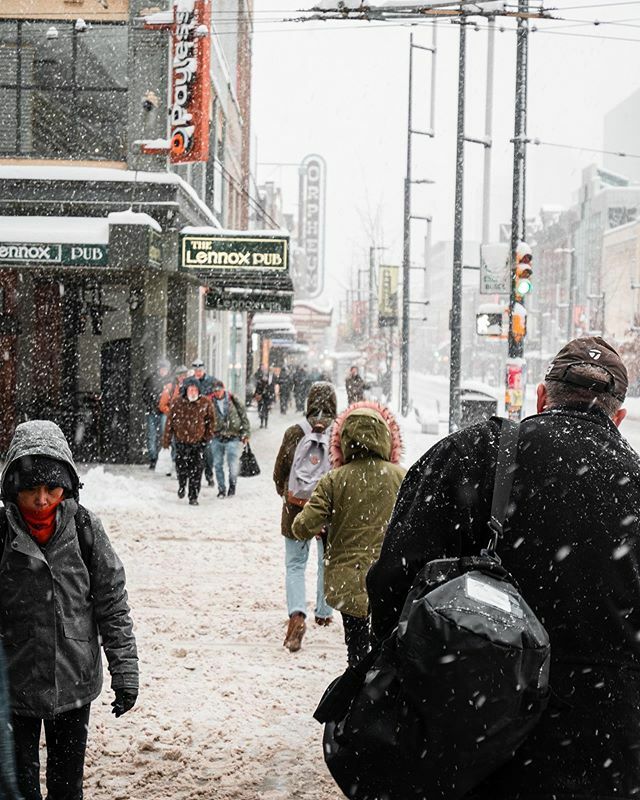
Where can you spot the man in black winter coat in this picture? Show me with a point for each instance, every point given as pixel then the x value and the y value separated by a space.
pixel 572 540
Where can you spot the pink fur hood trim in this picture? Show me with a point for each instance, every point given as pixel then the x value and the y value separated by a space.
pixel 335 448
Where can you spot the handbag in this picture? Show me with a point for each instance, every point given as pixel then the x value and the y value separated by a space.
pixel 164 464
pixel 450 695
pixel 248 463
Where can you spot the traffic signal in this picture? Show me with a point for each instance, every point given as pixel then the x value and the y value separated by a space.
pixel 524 270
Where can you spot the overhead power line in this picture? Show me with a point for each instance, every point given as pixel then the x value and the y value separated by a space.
pixel 618 153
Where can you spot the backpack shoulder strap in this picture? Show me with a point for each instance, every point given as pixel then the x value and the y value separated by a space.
pixel 85 535
pixel 4 526
pixel 306 427
pixel 505 468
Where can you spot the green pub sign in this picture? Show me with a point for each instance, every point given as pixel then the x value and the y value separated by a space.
pixel 53 255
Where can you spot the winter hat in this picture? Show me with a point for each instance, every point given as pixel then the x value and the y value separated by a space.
pixel 198 364
pixel 182 369
pixel 590 350
pixel 31 471
pixel 164 363
pixel 217 385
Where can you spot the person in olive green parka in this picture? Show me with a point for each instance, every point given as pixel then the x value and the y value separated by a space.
pixel 354 502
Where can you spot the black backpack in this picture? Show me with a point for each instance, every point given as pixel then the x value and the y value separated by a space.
pixel 450 695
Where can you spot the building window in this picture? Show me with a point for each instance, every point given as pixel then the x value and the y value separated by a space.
pixel 63 92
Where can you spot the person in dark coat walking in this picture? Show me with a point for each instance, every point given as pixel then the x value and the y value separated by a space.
pixel 62 595
pixel 355 386
pixel 152 389
pixel 206 387
pixel 190 420
pixel 572 540
pixel 284 388
pixel 300 384
pixel 265 394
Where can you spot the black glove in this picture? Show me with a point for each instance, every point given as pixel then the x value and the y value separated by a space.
pixel 125 701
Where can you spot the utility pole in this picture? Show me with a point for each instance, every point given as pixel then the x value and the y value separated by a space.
pixel 488 133
pixel 406 255
pixel 455 410
pixel 407 217
pixel 516 367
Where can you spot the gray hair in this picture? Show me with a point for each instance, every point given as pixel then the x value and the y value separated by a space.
pixel 560 393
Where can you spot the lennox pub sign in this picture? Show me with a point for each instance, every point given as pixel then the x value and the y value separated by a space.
pixel 242 254
pixel 30 254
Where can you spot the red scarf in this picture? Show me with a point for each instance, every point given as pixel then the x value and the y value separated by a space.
pixel 42 524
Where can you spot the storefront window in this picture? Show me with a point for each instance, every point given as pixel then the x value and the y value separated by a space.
pixel 63 91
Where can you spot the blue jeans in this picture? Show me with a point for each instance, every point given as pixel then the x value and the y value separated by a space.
pixel 296 556
pixel 231 449
pixel 155 430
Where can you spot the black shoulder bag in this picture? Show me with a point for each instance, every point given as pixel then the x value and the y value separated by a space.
pixel 450 695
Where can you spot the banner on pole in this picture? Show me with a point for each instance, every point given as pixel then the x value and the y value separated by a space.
pixel 388 278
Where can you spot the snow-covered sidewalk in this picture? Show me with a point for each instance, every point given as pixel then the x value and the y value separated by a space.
pixel 224 710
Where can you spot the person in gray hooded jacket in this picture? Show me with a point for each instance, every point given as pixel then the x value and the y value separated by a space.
pixel 61 587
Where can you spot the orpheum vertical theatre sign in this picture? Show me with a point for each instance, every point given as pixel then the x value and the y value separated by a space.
pixel 190 84
pixel 310 271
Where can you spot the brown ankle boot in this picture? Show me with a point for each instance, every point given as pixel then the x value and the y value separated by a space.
pixel 295 631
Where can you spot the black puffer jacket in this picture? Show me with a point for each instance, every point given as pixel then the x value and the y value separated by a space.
pixel 573 544
pixel 52 607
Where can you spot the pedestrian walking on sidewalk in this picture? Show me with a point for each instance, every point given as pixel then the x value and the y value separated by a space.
pixel 355 386
pixel 354 502
pixel 320 414
pixel 62 595
pixel 265 394
pixel 572 536
pixel 206 387
pixel 300 385
pixel 231 430
pixel 190 420
pixel 152 390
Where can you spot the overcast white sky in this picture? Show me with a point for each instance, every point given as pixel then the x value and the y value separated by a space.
pixel 340 89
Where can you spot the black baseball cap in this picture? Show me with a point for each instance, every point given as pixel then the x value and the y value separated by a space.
pixel 590 350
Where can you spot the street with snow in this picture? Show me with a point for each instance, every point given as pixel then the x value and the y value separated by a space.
pixel 224 710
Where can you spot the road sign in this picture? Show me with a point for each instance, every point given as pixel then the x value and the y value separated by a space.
pixel 495 269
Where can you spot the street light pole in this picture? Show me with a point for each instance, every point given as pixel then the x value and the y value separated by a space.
pixel 406 256
pixel 455 359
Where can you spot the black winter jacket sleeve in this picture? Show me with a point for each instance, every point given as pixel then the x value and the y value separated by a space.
pixel 442 509
pixel 111 607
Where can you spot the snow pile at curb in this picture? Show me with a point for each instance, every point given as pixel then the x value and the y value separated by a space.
pixel 107 491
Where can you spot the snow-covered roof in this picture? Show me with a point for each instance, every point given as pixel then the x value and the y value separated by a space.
pixel 38 172
pixel 55 230
pixel 131 217
pixel 199 230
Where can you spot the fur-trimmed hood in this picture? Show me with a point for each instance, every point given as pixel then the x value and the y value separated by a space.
pixel 366 428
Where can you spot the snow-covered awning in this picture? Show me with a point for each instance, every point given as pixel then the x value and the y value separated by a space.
pixel 131 217
pixel 55 230
pixel 282 323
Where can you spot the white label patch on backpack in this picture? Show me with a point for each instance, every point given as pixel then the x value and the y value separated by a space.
pixel 484 593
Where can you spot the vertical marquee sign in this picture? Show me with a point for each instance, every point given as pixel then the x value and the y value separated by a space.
pixel 190 82
pixel 311 216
